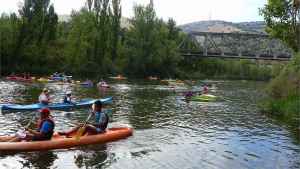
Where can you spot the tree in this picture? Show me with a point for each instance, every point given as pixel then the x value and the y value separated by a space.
pixel 282 18
pixel 152 44
pixel 115 22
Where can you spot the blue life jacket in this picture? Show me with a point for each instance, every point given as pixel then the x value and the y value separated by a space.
pixel 48 135
pixel 102 125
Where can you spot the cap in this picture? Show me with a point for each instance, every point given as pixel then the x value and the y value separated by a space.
pixel 45 90
pixel 68 92
pixel 98 103
pixel 44 110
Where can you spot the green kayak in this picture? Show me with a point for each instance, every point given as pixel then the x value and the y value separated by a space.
pixel 204 98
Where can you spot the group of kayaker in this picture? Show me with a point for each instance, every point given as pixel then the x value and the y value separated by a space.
pixel 44 97
pixel 190 94
pixel 46 125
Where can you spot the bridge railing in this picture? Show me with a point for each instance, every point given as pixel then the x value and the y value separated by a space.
pixel 235 45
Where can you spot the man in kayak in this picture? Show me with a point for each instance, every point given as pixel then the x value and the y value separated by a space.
pixel 100 125
pixel 44 97
pixel 67 98
pixel 45 129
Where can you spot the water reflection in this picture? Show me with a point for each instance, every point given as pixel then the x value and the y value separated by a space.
pixel 92 157
pixel 169 132
pixel 39 160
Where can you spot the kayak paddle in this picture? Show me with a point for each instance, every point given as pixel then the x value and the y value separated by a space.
pixel 28 124
pixel 82 128
pixel 21 133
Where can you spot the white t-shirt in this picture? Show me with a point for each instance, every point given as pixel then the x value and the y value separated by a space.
pixel 43 98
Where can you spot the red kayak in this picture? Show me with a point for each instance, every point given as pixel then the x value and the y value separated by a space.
pixel 17 78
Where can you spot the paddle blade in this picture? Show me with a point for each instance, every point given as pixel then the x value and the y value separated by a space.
pixel 79 133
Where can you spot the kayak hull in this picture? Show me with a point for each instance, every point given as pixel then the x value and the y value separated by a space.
pixel 86 85
pixel 204 98
pixel 56 106
pixel 20 79
pixel 118 78
pixel 61 142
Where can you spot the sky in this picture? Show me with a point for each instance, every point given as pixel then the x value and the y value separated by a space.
pixel 183 11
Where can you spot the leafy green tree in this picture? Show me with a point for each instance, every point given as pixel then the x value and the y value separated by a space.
pixel 152 44
pixel 282 18
pixel 9 32
pixel 116 28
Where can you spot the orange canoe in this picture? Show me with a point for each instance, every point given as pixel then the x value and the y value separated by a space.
pixel 61 142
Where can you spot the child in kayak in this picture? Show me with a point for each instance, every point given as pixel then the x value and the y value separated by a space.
pixel 99 126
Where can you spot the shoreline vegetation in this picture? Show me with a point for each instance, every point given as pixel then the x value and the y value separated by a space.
pixel 93 44
pixel 284 90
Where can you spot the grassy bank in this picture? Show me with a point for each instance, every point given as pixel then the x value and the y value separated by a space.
pixel 284 94
pixel 230 69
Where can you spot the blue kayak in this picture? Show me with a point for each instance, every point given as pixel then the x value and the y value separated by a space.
pixel 54 106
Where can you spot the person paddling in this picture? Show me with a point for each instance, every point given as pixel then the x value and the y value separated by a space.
pixel 44 97
pixel 205 90
pixel 67 98
pixel 99 126
pixel 45 129
pixel 188 94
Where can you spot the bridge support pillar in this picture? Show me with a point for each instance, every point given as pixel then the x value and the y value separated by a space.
pixel 205 52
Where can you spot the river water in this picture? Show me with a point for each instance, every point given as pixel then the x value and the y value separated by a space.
pixel 169 133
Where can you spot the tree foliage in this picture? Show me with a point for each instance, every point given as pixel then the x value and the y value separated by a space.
pixel 93 43
pixel 152 44
pixel 282 18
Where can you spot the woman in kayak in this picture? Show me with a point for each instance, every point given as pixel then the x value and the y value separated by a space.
pixel 100 125
pixel 44 97
pixel 45 129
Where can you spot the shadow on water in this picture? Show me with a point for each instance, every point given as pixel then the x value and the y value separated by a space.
pixel 92 157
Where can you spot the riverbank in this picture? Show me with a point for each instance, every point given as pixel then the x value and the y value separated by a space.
pixel 283 99
pixel 230 69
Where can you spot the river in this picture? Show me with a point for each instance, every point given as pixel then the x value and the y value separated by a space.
pixel 169 133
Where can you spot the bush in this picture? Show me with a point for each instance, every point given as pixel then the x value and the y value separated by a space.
pixel 284 94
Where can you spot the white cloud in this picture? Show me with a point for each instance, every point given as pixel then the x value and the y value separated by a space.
pixel 183 11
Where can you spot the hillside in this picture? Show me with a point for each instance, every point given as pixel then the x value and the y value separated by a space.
pixel 223 26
